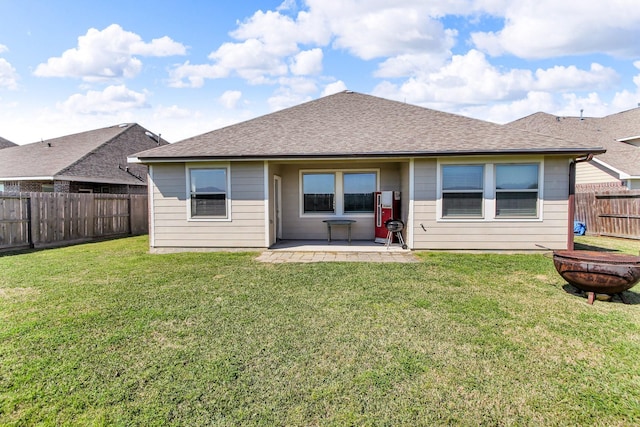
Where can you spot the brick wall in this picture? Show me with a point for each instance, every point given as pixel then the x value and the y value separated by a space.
pixel 71 187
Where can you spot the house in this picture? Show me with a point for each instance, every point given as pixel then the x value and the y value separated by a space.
pixel 5 143
pixel 619 134
pixel 463 183
pixel 87 162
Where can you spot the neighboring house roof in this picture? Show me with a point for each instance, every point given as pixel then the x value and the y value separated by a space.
pixel 5 143
pixel 608 132
pixel 95 156
pixel 350 124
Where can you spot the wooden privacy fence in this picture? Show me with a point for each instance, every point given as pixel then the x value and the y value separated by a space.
pixel 610 213
pixel 29 220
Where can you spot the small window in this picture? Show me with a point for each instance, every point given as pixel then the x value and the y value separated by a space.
pixel 462 190
pixel 359 189
pixel 516 190
pixel 319 192
pixel 1 187
pixel 208 193
pixel 47 188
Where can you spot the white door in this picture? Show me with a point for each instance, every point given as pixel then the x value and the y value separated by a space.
pixel 277 206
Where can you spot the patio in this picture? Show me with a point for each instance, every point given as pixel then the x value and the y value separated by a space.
pixel 336 251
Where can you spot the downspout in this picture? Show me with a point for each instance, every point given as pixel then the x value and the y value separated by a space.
pixel 572 197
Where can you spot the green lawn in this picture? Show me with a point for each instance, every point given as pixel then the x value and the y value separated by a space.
pixel 106 334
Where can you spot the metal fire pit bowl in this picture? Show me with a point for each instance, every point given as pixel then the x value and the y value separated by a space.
pixel 598 272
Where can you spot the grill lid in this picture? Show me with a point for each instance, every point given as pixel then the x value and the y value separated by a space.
pixel 394 225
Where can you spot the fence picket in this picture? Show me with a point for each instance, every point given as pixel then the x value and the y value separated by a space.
pixel 610 213
pixel 54 219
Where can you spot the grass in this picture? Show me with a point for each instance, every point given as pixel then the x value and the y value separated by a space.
pixel 106 334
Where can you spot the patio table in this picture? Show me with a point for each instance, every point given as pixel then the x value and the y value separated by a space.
pixel 331 222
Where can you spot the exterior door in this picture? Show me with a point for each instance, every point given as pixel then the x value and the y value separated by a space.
pixel 277 206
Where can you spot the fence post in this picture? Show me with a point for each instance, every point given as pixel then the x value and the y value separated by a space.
pixel 130 213
pixel 29 224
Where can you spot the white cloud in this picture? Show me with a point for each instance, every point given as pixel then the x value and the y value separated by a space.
pixel 111 100
pixel 299 85
pixel 551 28
pixel 230 99
pixel 470 79
pixel 628 99
pixel 307 62
pixel 172 112
pixel 597 77
pixel 3 48
pixel 508 111
pixel 466 80
pixel 107 54
pixel 268 41
pixel 253 60
pixel 411 64
pixel 334 87
pixel 390 31
pixel 8 75
pixel 188 75
pixel 285 98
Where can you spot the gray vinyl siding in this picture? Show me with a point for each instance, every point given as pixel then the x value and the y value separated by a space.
pixel 297 227
pixel 173 229
pixel 550 232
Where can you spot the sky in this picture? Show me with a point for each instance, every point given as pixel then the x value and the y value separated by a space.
pixel 183 68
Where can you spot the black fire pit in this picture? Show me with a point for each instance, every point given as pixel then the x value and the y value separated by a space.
pixel 598 272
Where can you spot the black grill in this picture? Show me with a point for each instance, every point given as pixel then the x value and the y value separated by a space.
pixel 395 226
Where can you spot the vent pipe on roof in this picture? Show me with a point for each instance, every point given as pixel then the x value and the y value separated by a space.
pixel 581 111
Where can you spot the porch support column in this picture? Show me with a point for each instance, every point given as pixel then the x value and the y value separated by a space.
pixel 267 228
pixel 411 204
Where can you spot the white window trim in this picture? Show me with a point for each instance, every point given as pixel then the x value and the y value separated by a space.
pixel 187 170
pixel 483 206
pixel 489 191
pixel 339 189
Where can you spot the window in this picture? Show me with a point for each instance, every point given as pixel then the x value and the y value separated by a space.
pixel 490 191
pixel 319 192
pixel 516 190
pixel 47 188
pixel 1 187
pixel 462 190
pixel 208 193
pixel 346 192
pixel 359 189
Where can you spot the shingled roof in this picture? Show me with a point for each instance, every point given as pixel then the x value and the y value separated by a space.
pixel 95 156
pixel 605 131
pixel 5 143
pixel 350 124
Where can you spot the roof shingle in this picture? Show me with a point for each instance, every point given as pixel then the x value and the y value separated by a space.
pixel 5 143
pixel 350 124
pixel 604 131
pixel 92 156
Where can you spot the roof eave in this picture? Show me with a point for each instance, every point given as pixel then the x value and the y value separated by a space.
pixel 370 155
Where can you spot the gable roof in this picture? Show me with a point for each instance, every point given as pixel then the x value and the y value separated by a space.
pixel 605 131
pixel 350 124
pixel 5 143
pixel 94 156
